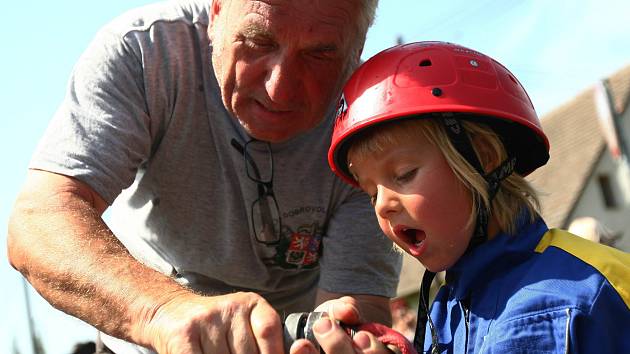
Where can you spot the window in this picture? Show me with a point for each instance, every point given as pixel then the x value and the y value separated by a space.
pixel 606 187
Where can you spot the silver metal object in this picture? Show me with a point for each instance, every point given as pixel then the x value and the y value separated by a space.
pixel 299 325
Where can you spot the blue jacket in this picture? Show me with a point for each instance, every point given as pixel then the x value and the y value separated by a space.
pixel 541 291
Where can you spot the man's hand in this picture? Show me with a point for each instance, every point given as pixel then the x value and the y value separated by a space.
pixel 235 323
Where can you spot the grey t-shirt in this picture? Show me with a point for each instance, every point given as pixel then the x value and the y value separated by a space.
pixel 143 124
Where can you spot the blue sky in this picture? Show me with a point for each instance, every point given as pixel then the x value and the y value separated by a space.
pixel 556 48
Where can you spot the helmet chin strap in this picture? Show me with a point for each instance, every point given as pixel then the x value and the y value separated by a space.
pixel 461 141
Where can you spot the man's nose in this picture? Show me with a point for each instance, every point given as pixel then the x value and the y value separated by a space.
pixel 387 202
pixel 283 80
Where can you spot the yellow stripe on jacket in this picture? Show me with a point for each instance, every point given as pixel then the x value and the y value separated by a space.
pixel 612 263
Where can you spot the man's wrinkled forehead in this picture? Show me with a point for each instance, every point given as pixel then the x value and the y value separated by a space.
pixel 327 11
pixel 315 19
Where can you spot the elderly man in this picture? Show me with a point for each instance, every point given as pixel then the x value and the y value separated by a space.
pixel 205 127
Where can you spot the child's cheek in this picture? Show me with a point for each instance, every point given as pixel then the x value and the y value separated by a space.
pixel 384 225
pixel 388 232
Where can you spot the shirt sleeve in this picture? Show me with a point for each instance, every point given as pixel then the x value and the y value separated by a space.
pixel 357 257
pixel 101 133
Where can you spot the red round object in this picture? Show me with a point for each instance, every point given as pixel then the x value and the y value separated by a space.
pixel 421 79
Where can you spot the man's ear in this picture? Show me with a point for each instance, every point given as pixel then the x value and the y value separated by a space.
pixel 215 9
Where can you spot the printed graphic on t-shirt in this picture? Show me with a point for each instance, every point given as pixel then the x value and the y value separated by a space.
pixel 299 248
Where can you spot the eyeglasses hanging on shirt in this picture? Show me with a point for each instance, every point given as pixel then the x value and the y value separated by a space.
pixel 265 214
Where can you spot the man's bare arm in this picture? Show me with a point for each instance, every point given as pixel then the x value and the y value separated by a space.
pixel 59 242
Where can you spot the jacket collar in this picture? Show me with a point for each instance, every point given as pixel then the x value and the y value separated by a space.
pixel 494 256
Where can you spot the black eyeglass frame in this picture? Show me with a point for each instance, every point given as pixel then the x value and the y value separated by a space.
pixel 265 191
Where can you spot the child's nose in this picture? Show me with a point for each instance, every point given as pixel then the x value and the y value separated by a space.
pixel 387 202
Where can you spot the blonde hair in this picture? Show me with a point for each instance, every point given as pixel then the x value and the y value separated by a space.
pixel 514 193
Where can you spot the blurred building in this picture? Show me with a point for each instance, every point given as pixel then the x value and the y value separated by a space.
pixel 588 173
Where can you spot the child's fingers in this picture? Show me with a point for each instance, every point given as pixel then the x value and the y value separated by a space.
pixel 344 309
pixel 332 338
pixel 366 343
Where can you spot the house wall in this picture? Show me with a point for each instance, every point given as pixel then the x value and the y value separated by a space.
pixel 624 176
pixel 591 202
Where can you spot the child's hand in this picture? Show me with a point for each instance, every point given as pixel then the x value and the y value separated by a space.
pixel 333 339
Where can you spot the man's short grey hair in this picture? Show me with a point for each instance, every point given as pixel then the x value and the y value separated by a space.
pixel 364 22
pixel 368 15
pixel 365 18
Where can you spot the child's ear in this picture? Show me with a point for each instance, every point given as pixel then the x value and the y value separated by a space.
pixel 488 153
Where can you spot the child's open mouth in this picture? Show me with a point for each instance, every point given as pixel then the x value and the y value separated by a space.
pixel 412 238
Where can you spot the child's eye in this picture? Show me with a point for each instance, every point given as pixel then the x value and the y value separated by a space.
pixel 407 176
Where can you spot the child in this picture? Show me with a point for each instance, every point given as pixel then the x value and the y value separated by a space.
pixel 440 136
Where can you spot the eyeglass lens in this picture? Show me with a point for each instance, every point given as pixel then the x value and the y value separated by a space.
pixel 265 211
pixel 265 219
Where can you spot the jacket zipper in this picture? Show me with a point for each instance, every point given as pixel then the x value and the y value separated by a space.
pixel 465 307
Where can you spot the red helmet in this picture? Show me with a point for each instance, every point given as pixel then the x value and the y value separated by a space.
pixel 420 79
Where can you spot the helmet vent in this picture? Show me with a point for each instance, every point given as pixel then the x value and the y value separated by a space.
pixel 513 79
pixel 425 62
